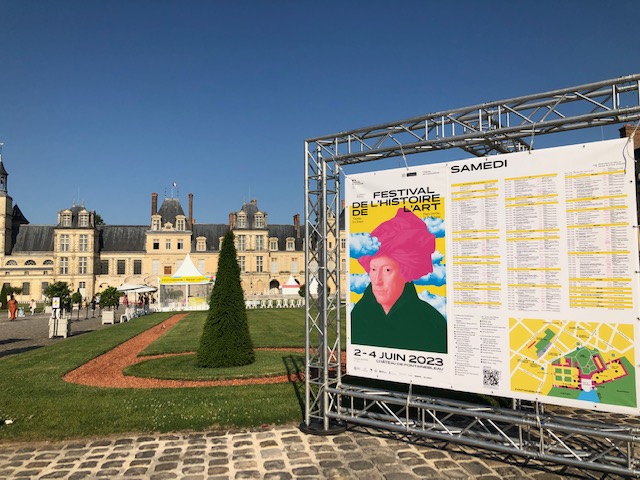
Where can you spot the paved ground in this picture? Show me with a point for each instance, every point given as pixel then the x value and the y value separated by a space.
pixel 282 452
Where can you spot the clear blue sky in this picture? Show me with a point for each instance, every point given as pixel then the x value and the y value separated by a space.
pixel 108 101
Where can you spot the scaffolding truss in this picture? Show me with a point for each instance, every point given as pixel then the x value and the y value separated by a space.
pixel 495 127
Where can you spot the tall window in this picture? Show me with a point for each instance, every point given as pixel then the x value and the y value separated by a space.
pixel 291 244
pixel 137 267
pixel 26 288
pixel 82 285
pixel 273 244
pixel 104 267
pixel 259 264
pixel 180 244
pixel 156 244
pixel 84 220
pixel 343 243
pixel 201 265
pixel 167 244
pixel 274 265
pixel 66 219
pixel 44 286
pixel 121 266
pixel 180 224
pixel 84 243
pixel 64 265
pixel 155 267
pixel 82 265
pixel 155 224
pixel 259 221
pixel 241 264
pixel 259 243
pixel 242 243
pixel 242 220
pixel 64 242
pixel 294 265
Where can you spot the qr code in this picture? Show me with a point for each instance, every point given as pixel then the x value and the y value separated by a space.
pixel 491 377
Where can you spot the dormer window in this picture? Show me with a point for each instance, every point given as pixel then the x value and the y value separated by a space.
pixel 180 223
pixel 291 244
pixel 259 220
pixel 273 244
pixel 242 220
pixel 66 219
pixel 155 224
pixel 201 244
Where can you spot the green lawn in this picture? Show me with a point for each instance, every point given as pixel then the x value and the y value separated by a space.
pixel 44 407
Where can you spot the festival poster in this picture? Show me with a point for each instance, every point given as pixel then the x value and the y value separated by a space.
pixel 539 286
pixel 397 315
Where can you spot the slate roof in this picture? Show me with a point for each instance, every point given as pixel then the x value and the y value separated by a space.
pixel 122 238
pixel 169 210
pixel 213 233
pixel 18 216
pixel 282 232
pixel 75 216
pixel 32 238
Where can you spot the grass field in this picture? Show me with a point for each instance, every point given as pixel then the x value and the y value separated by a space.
pixel 44 407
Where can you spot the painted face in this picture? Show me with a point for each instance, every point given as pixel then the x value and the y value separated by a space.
pixel 387 282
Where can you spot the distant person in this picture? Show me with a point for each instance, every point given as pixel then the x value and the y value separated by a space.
pixel 13 308
pixel 390 313
pixel 32 306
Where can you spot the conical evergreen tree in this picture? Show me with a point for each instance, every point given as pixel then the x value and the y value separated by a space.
pixel 225 341
pixel 3 297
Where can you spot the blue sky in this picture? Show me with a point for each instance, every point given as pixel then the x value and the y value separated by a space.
pixel 108 101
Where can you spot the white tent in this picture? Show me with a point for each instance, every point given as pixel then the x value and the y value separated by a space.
pixel 291 287
pixel 187 289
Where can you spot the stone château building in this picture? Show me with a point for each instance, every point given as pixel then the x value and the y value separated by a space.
pixel 91 257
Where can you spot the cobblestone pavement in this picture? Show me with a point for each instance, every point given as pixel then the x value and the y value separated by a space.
pixel 276 453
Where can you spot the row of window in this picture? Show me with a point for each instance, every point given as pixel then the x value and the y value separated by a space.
pixel 260 264
pixel 28 263
pixel 167 244
pixel 241 220
pixel 64 244
pixel 242 243
pixel 83 219
pixel 181 224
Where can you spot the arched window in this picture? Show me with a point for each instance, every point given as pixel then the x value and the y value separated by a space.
pixel 11 263
pixel 30 262
pixel 48 262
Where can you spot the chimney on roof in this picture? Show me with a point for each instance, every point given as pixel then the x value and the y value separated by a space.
pixel 633 132
pixel 154 203
pixel 296 224
pixel 190 211
pixel 232 217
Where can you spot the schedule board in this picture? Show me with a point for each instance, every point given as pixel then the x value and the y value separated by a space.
pixel 513 275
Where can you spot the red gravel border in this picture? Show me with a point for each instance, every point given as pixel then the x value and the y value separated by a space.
pixel 106 370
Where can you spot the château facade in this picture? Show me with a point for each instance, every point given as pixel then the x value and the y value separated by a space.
pixel 90 257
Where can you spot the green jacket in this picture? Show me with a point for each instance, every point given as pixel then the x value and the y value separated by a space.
pixel 411 324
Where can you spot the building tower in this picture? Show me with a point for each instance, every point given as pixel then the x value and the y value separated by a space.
pixel 6 211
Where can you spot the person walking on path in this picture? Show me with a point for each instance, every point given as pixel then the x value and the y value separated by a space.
pixel 32 306
pixel 13 308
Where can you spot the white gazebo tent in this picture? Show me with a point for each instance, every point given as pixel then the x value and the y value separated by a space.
pixel 187 289
pixel 291 287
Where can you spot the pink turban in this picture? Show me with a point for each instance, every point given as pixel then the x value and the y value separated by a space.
pixel 405 239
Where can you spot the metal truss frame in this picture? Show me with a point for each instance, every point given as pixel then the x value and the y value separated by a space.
pixel 495 127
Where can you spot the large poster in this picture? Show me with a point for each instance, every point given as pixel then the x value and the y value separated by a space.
pixel 514 275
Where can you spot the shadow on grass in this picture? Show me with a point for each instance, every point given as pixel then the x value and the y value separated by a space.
pixel 295 371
